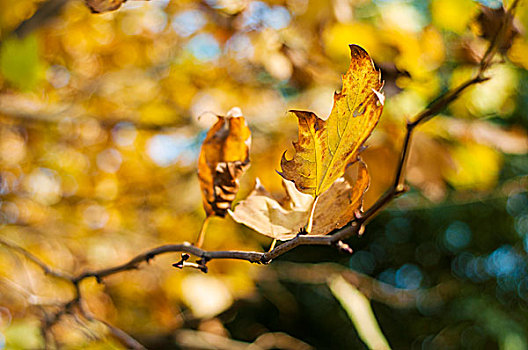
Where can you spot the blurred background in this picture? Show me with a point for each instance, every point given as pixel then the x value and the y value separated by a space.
pixel 99 141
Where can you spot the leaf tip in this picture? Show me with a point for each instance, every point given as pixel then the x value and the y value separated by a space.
pixel 381 96
pixel 234 112
pixel 207 114
pixel 258 184
pixel 357 50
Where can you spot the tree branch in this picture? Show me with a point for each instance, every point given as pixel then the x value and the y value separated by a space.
pixel 336 238
pixel 46 11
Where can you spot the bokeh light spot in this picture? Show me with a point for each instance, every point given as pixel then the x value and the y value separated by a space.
pixel 398 230
pixel 363 262
pixel 166 150
pixel 409 276
pixel 240 46
pixel 277 17
pixel 204 47
pixel 109 160
pixel 95 216
pixel 58 76
pixel 502 261
pixel 521 224
pixel 44 186
pixel 188 22
pixel 457 236
pixel 124 134
pixel 517 203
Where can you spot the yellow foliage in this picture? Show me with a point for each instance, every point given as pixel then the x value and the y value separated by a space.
pixel 453 15
pixel 519 52
pixel 157 113
pixel 492 96
pixel 476 167
pixel 338 36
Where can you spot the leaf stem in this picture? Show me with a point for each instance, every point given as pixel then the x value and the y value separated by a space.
pixel 272 246
pixel 201 235
pixel 309 225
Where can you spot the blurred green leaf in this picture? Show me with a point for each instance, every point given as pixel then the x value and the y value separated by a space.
pixel 19 62
pixel 24 335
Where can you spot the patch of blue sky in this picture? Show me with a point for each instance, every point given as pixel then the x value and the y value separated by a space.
pixel 495 4
pixel 259 14
pixel 188 22
pixel 240 46
pixel 167 150
pixel 204 47
pixel 277 17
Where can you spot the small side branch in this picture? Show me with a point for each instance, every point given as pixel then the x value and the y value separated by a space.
pixel 47 270
pixel 434 109
pixel 201 235
pixel 125 338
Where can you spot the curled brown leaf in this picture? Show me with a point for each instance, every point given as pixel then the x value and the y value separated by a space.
pixel 224 158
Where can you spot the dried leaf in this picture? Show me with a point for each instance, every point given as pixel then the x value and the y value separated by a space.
pixel 264 214
pixel 339 205
pixel 224 158
pixel 284 219
pixel 490 21
pixel 326 148
pixel 100 6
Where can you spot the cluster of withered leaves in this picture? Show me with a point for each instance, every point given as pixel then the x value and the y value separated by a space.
pixel 318 199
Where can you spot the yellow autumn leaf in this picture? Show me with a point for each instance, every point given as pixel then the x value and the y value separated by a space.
pixel 326 147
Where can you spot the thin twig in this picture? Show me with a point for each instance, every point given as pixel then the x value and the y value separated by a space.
pixel 118 333
pixel 436 107
pixel 47 270
pixel 201 235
